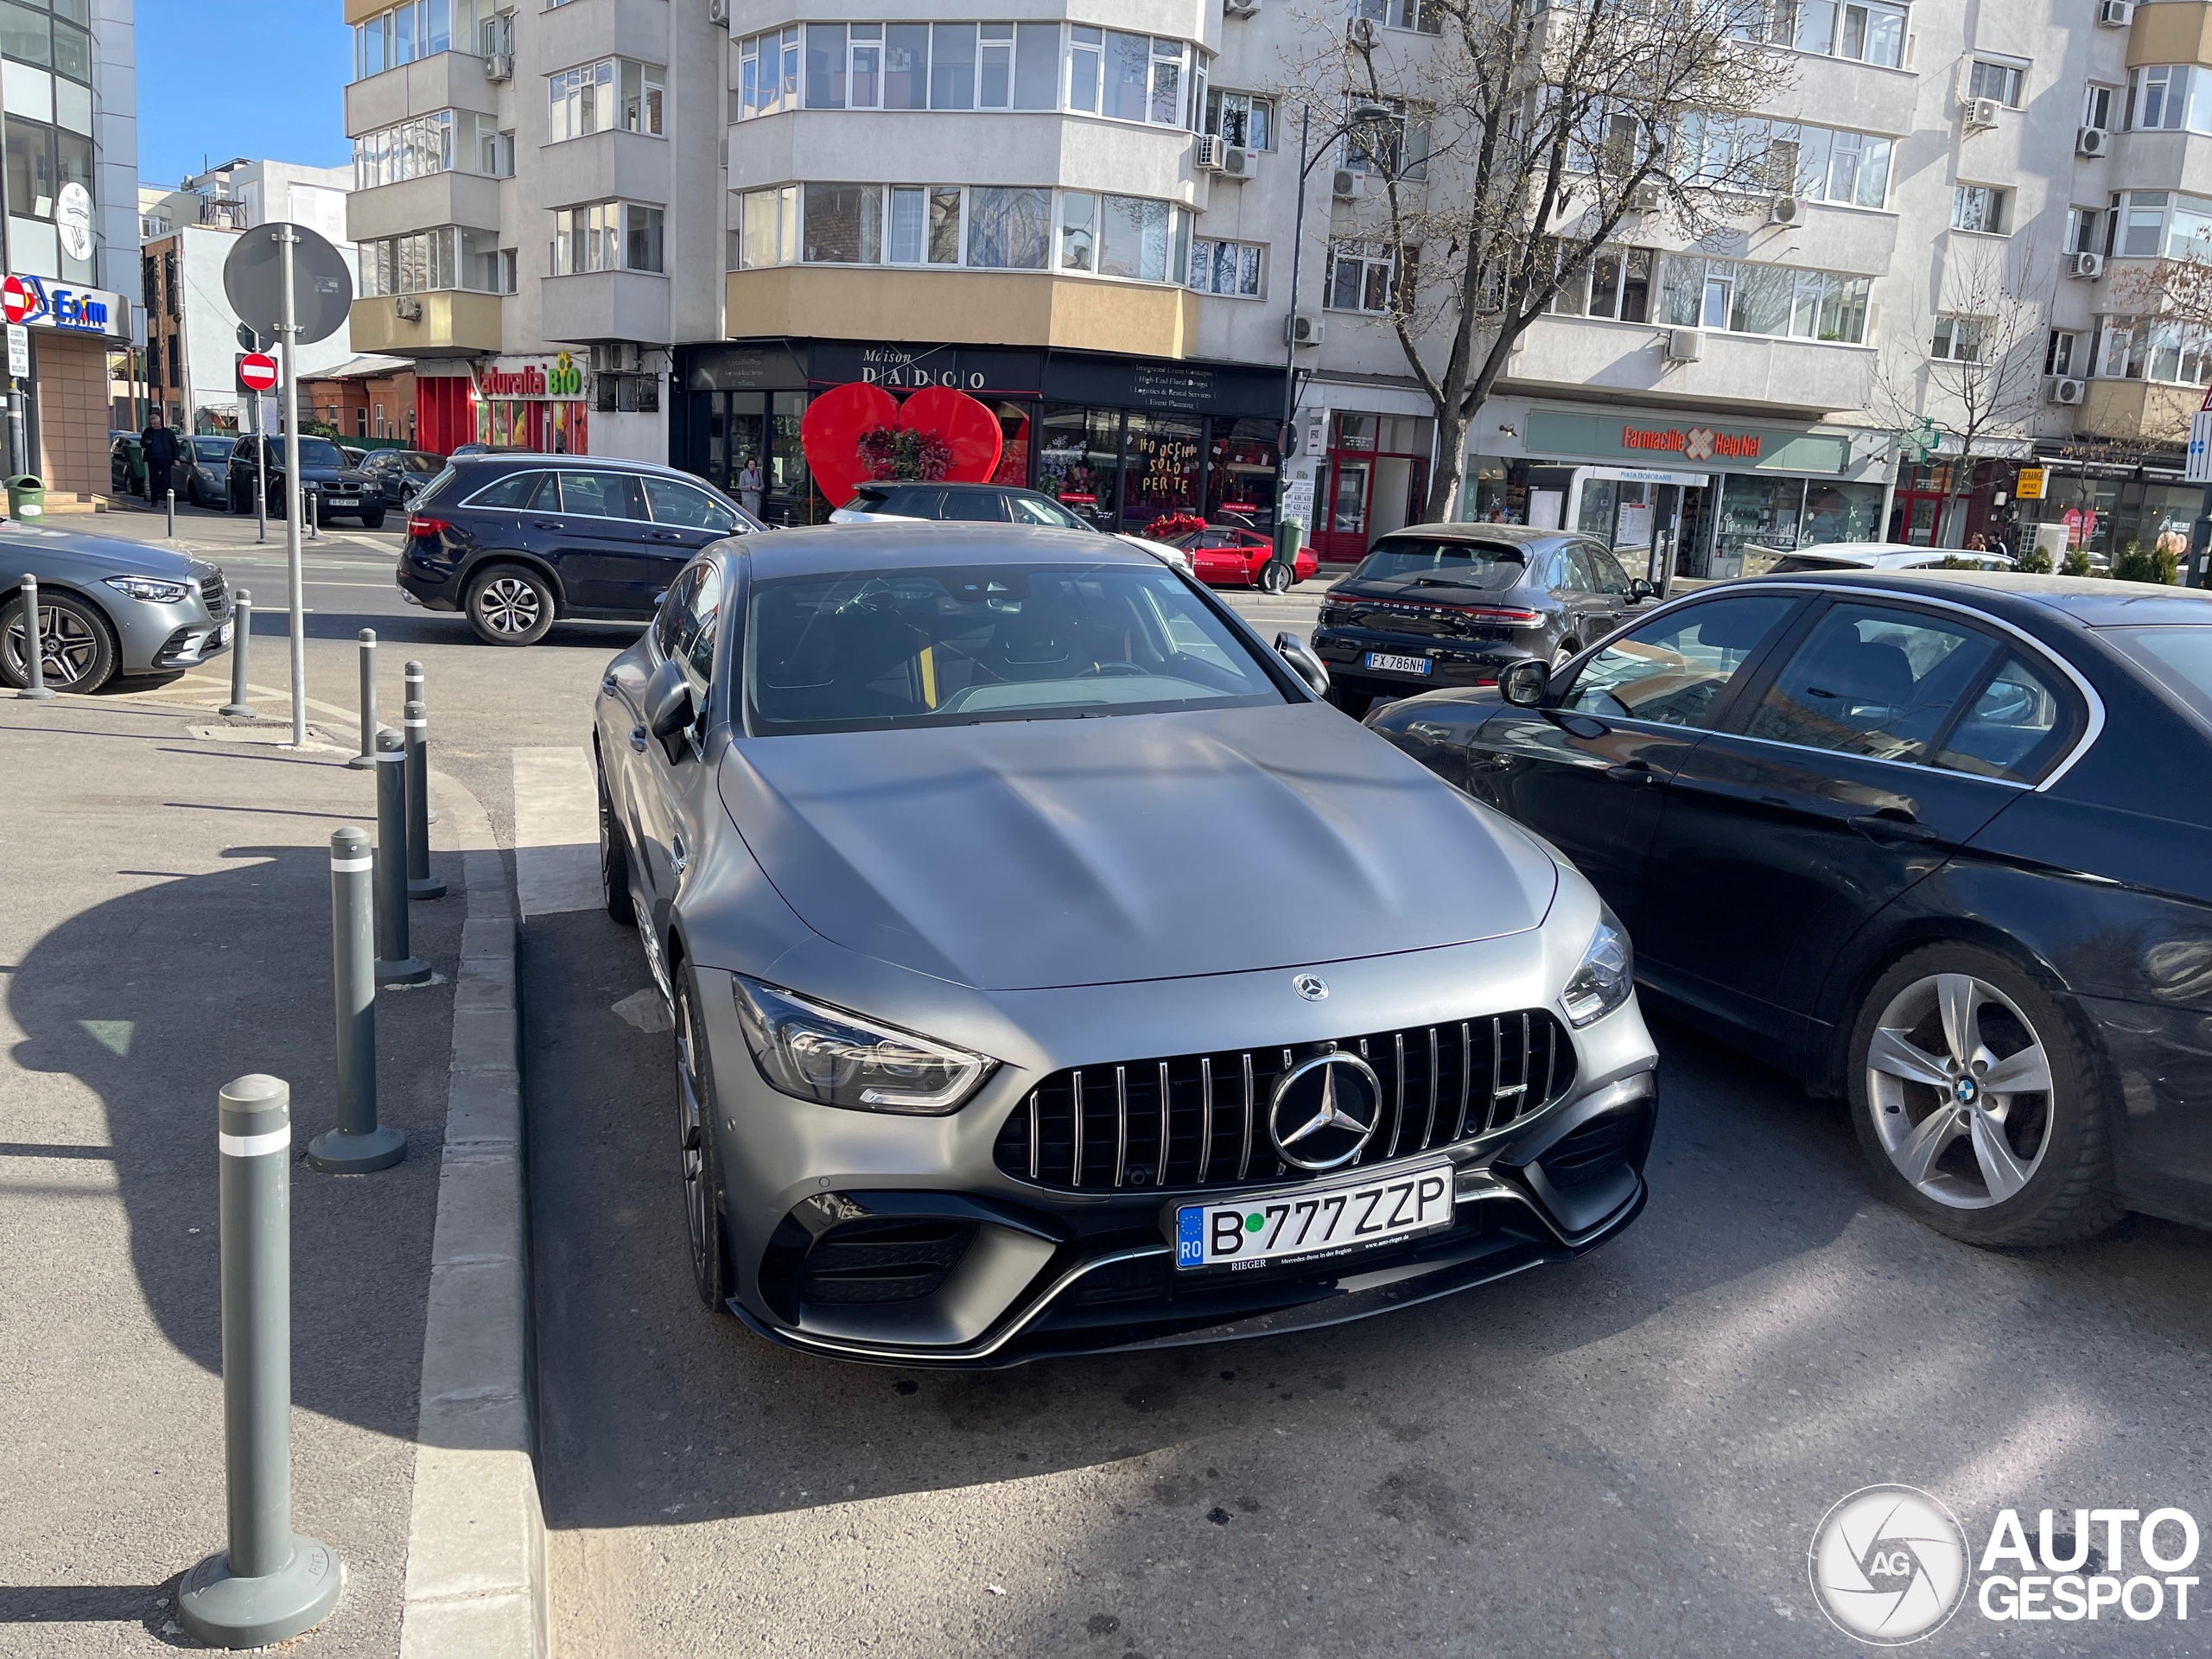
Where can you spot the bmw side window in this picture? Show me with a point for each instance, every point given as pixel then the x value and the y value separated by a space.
pixel 2014 728
pixel 517 491
pixel 1677 670
pixel 1872 680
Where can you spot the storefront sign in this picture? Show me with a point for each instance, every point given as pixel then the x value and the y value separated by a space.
pixel 1183 392
pixel 2030 485
pixel 559 378
pixel 1554 433
pixel 41 302
pixel 1693 443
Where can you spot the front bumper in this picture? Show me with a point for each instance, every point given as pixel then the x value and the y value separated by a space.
pixel 168 637
pixel 900 1241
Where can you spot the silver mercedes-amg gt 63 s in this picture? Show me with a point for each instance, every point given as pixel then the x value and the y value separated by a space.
pixel 1054 971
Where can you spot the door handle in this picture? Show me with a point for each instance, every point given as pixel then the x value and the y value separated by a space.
pixel 678 854
pixel 638 739
pixel 1633 771
pixel 1881 826
pixel 542 525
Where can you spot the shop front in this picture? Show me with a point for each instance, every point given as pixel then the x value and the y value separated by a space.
pixel 2108 497
pixel 533 402
pixel 1124 441
pixel 68 409
pixel 1374 479
pixel 1676 496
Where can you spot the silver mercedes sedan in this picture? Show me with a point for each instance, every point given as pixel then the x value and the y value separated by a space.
pixel 1054 971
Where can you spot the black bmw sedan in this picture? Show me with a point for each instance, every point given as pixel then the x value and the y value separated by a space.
pixel 1459 604
pixel 340 489
pixel 1936 843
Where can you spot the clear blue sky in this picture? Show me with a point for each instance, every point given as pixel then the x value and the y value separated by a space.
pixel 261 79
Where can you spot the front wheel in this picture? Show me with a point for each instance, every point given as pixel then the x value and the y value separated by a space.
pixel 1977 1103
pixel 702 1165
pixel 76 650
pixel 510 605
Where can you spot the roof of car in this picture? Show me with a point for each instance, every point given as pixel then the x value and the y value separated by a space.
pixel 1882 553
pixel 2095 601
pixel 1513 535
pixel 890 544
pixel 529 460
pixel 943 484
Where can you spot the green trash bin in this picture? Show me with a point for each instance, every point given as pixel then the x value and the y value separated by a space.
pixel 1280 572
pixel 26 496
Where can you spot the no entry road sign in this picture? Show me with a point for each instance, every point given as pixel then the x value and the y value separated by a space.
pixel 17 299
pixel 257 370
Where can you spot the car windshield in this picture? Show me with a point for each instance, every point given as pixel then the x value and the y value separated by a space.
pixel 418 461
pixel 1463 564
pixel 315 452
pixel 1041 510
pixel 866 650
pixel 2178 659
pixel 211 448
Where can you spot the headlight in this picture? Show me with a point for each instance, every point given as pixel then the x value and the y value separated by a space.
pixel 1606 976
pixel 145 587
pixel 836 1059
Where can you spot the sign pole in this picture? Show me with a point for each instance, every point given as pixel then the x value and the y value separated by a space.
pixel 286 328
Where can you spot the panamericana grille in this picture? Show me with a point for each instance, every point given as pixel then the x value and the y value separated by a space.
pixel 1201 1120
pixel 215 593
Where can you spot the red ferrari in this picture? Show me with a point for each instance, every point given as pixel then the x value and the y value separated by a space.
pixel 1223 556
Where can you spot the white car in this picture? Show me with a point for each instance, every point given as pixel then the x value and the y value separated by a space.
pixel 982 504
pixel 1882 556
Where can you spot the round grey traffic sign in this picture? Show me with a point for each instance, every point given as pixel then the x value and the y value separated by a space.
pixel 322 286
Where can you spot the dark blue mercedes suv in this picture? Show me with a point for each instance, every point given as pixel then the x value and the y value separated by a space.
pixel 518 541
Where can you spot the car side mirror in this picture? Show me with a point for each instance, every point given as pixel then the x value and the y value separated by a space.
pixel 1525 684
pixel 1303 662
pixel 1639 588
pixel 668 708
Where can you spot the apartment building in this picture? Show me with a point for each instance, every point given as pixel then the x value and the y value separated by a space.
pixel 68 192
pixel 660 227
pixel 191 339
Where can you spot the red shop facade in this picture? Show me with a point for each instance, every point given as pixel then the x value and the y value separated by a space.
pixel 1122 441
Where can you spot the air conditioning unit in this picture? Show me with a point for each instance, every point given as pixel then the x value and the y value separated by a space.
pixel 2093 142
pixel 500 65
pixel 718 11
pixel 2115 13
pixel 1686 345
pixel 2088 266
pixel 1206 155
pixel 618 357
pixel 1363 33
pixel 2069 392
pixel 1645 198
pixel 408 308
pixel 1344 184
pixel 1981 114
pixel 1238 162
pixel 1785 210
pixel 1303 329
pixel 1239 8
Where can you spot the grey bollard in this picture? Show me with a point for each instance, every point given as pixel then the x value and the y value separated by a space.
pixel 367 757
pixel 413 674
pixel 34 686
pixel 310 500
pixel 172 515
pixel 357 1146
pixel 271 1583
pixel 394 966
pixel 421 884
pixel 241 630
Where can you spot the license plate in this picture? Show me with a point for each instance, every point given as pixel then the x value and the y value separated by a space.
pixel 1389 664
pixel 1323 1218
pixel 222 636
pixel 341 501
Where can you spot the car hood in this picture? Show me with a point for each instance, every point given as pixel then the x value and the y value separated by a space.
pixel 1022 855
pixel 73 553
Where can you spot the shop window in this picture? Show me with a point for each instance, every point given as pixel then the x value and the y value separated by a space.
pixel 1241 473
pixel 1079 460
pixel 1161 476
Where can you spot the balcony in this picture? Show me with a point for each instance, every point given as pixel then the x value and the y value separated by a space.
pixel 2174 31
pixel 606 165
pixel 2163 160
pixel 1075 152
pixel 606 305
pixel 465 198
pixel 1823 89
pixel 446 80
pixel 967 307
pixel 2137 410
pixel 1745 373
pixel 582 30
pixel 452 324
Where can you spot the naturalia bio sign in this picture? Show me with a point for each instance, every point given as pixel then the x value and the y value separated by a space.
pixel 1692 444
pixel 558 376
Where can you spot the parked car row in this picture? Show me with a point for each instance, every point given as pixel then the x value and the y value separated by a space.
pixel 214 470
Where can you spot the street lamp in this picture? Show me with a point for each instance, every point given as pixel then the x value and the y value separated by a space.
pixel 1362 115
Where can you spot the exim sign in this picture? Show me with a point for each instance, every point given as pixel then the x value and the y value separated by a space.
pixel 42 302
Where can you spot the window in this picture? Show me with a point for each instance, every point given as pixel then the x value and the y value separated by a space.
pixel 1616 285
pixel 446 141
pixel 1959 340
pixel 1142 238
pixel 1872 31
pixel 2168 98
pixel 1979 208
pixel 447 258
pixel 768 227
pixel 1226 267
pixel 688 505
pixel 768 73
pixel 2097 106
pixel 843 224
pixel 2149 348
pixel 1677 670
pixel 1036 66
pixel 2154 224
pixel 1872 680
pixel 606 235
pixel 952 67
pixel 1086 67
pixel 601 495
pixel 643 92
pixel 1397 148
pixel 1850 168
pixel 522 491
pixel 583 101
pixel 2013 728
pixel 1744 298
pixel 2001 82
pixel 1422 15
pixel 1243 118
pixel 1361 277
pixel 2085 231
pixel 2061 354
pixel 1079 231
pixel 1010 229
pixel 402 33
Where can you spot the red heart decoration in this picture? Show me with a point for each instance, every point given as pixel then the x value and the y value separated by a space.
pixel 968 426
pixel 829 434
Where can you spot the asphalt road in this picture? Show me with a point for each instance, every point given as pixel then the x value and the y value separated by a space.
pixel 1627 1455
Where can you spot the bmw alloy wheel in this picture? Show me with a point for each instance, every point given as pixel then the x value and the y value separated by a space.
pixel 68 649
pixel 1958 1085
pixel 509 605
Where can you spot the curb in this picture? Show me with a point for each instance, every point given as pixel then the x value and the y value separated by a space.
pixel 476 1539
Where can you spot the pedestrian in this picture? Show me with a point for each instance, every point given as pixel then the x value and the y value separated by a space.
pixel 748 484
pixel 157 450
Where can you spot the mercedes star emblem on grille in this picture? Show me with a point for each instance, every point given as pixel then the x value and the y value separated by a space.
pixel 1311 987
pixel 1325 1111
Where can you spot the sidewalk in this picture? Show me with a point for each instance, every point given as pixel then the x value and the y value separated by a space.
pixel 167 929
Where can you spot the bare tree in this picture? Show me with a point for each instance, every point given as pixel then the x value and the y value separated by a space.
pixel 1970 371
pixel 1525 133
